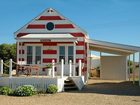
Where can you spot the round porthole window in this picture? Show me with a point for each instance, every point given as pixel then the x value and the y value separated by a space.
pixel 50 26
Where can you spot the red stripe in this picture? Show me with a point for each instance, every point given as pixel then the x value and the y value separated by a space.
pixel 50 44
pixel 21 34
pixel 64 26
pixel 50 18
pixel 80 51
pixel 21 52
pixel 77 60
pixel 36 26
pixel 49 52
pixel 77 34
pixel 80 43
pixel 46 60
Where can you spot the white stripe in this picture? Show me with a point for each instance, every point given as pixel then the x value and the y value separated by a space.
pixel 80 48
pixel 49 56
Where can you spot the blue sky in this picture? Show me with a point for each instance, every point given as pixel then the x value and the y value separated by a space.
pixel 109 20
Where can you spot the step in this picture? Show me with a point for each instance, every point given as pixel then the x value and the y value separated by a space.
pixel 70 88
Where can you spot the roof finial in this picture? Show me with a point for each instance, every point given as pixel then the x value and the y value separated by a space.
pixel 50 10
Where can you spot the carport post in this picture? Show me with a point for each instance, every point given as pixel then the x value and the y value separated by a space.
pixel 134 68
pixel 129 68
pixel 139 68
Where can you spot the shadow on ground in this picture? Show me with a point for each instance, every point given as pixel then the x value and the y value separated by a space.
pixel 111 88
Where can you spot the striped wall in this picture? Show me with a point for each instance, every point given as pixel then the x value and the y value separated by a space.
pixel 50 49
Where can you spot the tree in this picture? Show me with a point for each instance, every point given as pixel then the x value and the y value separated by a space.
pixel 7 51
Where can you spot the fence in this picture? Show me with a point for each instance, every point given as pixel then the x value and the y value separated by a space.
pixel 71 71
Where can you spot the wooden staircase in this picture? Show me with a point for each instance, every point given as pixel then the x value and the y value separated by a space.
pixel 69 85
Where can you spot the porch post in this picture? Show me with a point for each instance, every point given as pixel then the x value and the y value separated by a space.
pixel 139 68
pixel 74 58
pixel 62 68
pixel 10 68
pixel 134 68
pixel 70 65
pixel 1 67
pixel 129 68
pixel 53 67
pixel 17 51
pixel 80 67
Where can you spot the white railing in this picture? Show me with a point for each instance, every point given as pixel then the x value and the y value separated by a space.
pixel 72 72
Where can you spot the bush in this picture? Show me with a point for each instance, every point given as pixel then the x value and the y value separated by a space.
pixel 25 90
pixel 52 89
pixel 5 90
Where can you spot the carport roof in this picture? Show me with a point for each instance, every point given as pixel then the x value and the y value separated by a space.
pixel 113 48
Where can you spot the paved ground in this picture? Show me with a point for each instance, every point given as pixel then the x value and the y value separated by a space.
pixel 97 92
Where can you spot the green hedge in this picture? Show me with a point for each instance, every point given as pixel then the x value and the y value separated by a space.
pixel 25 90
pixel 5 90
pixel 52 89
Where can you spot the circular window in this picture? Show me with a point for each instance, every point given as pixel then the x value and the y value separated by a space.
pixel 50 26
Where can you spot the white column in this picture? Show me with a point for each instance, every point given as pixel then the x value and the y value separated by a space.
pixel 129 68
pixel 87 64
pixel 80 66
pixel 62 68
pixel 17 51
pixel 1 67
pixel 10 68
pixel 53 67
pixel 74 58
pixel 134 68
pixel 70 65
pixel 139 68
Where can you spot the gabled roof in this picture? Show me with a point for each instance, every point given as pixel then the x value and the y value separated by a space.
pixel 113 48
pixel 38 24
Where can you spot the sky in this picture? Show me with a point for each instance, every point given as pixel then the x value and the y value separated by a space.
pixel 108 20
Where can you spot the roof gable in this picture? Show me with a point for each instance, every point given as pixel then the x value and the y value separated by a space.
pixel 40 23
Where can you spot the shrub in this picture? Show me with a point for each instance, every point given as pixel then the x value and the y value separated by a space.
pixel 25 90
pixel 5 90
pixel 52 89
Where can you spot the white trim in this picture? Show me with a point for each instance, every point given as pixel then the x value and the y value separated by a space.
pixel 114 46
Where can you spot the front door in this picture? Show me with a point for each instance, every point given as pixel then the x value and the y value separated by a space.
pixel 66 53
pixel 33 54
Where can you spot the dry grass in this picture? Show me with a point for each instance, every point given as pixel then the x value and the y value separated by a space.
pixel 97 92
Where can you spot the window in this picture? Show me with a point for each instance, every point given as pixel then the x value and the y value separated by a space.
pixel 29 54
pixel 38 55
pixel 70 53
pixel 61 53
pixel 50 26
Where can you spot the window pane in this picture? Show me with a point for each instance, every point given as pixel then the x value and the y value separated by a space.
pixel 70 50
pixel 38 51
pixel 38 54
pixel 29 54
pixel 38 60
pixel 62 50
pixel 29 50
pixel 29 59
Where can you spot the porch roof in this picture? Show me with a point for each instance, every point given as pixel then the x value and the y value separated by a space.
pixel 113 48
pixel 52 37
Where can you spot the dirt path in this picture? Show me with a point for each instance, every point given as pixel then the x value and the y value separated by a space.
pixel 98 92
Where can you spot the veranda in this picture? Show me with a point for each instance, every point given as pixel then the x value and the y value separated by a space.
pixel 41 82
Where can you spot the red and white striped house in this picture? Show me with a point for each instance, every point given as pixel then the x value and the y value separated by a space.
pixel 51 36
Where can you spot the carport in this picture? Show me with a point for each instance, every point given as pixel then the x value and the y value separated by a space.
pixel 119 49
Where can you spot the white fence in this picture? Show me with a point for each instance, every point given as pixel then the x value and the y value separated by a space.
pixel 40 83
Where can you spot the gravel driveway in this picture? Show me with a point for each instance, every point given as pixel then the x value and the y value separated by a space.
pixel 97 92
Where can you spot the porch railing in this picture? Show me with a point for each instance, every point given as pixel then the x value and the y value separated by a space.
pixel 72 72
